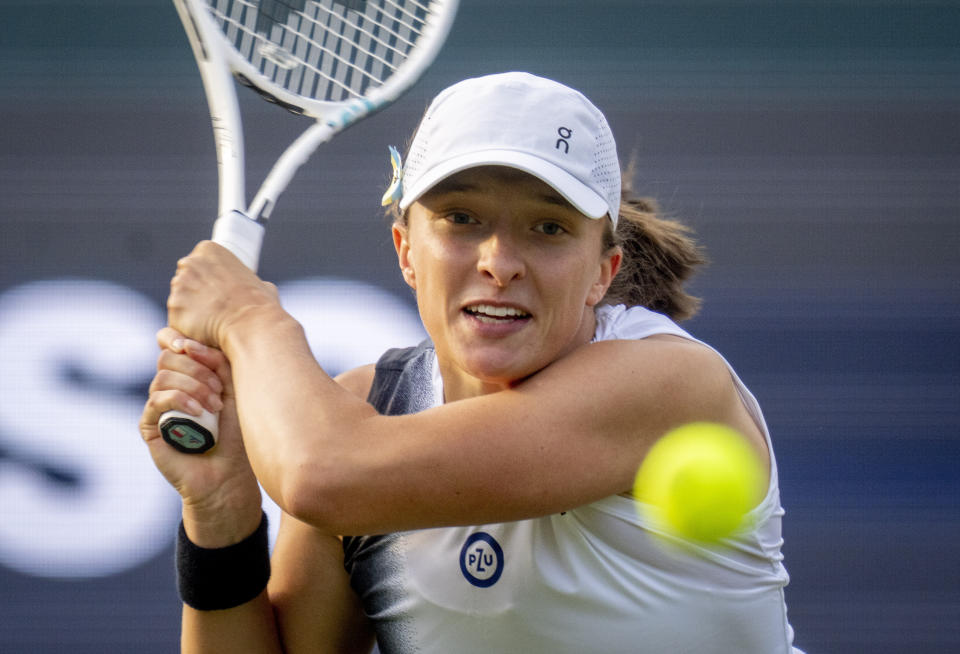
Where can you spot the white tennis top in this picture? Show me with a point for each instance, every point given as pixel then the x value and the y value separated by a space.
pixel 598 578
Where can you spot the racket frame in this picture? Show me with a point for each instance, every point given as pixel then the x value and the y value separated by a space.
pixel 221 67
pixel 239 227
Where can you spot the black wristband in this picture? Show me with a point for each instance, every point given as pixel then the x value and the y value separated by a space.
pixel 224 577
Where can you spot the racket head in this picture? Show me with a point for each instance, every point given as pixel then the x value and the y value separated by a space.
pixel 335 61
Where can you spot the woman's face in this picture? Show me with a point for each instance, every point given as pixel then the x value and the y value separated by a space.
pixel 506 273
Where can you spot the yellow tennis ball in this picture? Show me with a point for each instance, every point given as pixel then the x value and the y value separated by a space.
pixel 700 480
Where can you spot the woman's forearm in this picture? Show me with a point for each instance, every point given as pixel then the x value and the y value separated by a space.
pixel 249 627
pixel 290 409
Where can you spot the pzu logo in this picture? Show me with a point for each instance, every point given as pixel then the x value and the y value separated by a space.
pixel 481 560
pixel 562 142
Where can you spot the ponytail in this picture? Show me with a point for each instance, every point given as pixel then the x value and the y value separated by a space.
pixel 659 256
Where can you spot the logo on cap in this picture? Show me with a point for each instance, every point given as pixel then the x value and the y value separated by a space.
pixel 565 133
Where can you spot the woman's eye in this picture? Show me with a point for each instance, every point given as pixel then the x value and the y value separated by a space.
pixel 459 218
pixel 550 229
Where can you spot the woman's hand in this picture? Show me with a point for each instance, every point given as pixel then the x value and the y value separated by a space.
pixel 211 290
pixel 221 497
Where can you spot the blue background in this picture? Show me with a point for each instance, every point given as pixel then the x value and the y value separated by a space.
pixel 813 145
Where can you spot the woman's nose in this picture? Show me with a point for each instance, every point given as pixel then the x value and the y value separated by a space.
pixel 500 259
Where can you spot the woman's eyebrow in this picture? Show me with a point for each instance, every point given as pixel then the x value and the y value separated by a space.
pixel 556 198
pixel 454 185
pixel 451 186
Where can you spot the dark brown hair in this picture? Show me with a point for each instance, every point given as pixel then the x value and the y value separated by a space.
pixel 659 257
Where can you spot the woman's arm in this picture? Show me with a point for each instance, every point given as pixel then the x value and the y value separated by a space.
pixel 571 434
pixel 308 605
pixel 316 609
pixel 307 608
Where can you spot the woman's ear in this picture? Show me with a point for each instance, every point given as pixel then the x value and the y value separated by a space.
pixel 402 245
pixel 609 265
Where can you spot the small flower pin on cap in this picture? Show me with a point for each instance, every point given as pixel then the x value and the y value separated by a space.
pixel 395 190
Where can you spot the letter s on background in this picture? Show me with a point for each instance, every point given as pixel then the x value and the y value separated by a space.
pixel 81 497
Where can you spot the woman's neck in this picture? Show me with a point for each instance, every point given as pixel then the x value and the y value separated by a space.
pixel 458 384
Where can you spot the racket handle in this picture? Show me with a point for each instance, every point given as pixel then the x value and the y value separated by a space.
pixel 190 434
pixel 240 235
pixel 197 434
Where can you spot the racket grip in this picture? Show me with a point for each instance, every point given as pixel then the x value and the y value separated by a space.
pixel 190 434
pixel 240 235
pixel 197 434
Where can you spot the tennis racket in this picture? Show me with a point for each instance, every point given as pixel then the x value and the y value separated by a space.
pixel 334 62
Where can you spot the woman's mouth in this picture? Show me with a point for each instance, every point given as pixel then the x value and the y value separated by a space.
pixel 487 313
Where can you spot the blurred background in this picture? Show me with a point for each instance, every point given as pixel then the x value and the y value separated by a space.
pixel 813 145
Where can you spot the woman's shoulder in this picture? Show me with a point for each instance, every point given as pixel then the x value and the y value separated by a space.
pixel 616 322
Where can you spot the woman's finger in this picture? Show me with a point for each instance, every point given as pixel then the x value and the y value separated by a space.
pixel 166 337
pixel 187 365
pixel 197 390
pixel 210 357
pixel 161 401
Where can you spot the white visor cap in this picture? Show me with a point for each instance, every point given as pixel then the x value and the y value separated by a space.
pixel 521 121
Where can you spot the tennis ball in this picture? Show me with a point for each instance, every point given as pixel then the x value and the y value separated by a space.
pixel 700 480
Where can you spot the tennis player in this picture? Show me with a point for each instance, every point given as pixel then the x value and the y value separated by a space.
pixel 470 494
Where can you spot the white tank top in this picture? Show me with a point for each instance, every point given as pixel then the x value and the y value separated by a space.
pixel 593 579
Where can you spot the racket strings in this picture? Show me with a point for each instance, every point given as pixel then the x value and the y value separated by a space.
pixel 325 50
